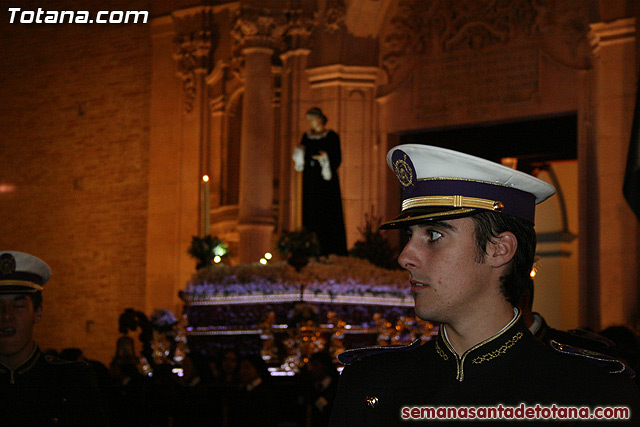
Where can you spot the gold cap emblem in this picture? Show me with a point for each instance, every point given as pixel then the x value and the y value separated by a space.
pixel 7 264
pixel 403 171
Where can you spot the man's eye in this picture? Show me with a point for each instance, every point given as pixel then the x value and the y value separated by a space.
pixel 433 235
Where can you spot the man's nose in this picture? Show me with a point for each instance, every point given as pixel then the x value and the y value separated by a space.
pixel 406 259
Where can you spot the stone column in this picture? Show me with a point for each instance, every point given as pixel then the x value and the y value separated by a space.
pixel 218 82
pixel 293 83
pixel 293 66
pixel 257 32
pixel 609 229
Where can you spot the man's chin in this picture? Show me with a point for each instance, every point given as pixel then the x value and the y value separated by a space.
pixel 423 314
pixel 9 349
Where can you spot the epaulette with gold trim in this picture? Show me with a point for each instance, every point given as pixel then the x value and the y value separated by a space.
pixel 604 361
pixel 351 356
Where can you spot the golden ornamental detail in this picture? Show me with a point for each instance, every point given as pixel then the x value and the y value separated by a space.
pixel 441 352
pixel 500 351
pixel 404 172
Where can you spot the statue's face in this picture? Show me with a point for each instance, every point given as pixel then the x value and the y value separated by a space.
pixel 315 122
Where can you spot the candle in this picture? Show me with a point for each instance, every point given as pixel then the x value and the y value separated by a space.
pixel 206 214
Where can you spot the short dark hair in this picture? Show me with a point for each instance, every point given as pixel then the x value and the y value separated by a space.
pixel 488 225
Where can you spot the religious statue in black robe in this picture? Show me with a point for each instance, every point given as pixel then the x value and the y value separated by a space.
pixel 318 158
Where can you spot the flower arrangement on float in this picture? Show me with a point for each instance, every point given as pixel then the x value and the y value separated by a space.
pixel 324 279
pixel 366 276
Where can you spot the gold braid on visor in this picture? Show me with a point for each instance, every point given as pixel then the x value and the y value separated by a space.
pixel 453 201
pixel 22 283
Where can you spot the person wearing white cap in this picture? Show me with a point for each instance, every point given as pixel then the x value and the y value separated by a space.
pixel 471 246
pixel 38 389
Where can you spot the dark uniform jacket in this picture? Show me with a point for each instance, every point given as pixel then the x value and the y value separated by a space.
pixel 47 391
pixel 510 368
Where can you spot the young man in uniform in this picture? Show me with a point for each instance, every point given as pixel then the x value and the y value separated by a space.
pixel 38 389
pixel 471 247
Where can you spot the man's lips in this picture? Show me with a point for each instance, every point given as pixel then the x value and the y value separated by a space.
pixel 417 286
pixel 7 332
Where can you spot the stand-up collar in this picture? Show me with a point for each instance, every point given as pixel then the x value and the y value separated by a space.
pixel 538 324
pixel 486 353
pixel 24 367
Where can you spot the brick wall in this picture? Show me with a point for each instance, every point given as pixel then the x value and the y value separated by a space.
pixel 74 136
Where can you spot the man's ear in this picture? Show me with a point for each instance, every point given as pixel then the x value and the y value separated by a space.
pixel 38 314
pixel 501 249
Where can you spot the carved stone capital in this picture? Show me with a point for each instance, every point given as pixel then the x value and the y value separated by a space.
pixel 255 27
pixel 194 40
pixel 193 54
pixel 334 16
pixel 300 27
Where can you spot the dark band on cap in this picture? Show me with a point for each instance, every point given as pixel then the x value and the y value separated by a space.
pixel 460 193
pixel 19 276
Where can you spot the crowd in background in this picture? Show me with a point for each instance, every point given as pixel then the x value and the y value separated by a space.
pixel 223 390
pixel 233 390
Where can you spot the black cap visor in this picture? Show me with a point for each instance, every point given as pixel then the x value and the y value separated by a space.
pixel 420 215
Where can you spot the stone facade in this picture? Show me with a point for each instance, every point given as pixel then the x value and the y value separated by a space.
pixel 75 155
pixel 108 130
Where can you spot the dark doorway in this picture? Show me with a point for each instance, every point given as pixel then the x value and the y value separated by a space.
pixel 532 142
